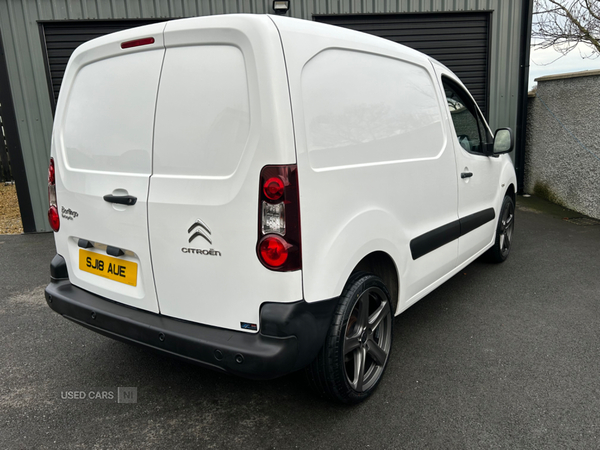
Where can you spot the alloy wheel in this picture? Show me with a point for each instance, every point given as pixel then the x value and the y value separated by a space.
pixel 506 229
pixel 368 339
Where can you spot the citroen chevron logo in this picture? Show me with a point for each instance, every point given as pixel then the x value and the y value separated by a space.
pixel 201 230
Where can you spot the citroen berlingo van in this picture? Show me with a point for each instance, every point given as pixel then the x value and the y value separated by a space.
pixel 259 194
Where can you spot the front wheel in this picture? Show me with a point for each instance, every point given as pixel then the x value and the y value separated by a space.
pixel 355 353
pixel 504 232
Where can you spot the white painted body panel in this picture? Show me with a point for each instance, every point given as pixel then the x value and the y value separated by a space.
pixel 223 113
pixel 396 185
pixel 218 98
pixel 102 144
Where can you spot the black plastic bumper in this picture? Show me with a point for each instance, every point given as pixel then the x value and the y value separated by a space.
pixel 291 334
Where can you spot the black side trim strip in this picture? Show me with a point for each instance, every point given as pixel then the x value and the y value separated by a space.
pixel 434 239
pixel 473 221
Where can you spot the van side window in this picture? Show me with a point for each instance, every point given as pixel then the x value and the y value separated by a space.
pixel 470 129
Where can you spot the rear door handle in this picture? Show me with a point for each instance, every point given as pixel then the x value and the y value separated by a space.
pixel 121 199
pixel 462 175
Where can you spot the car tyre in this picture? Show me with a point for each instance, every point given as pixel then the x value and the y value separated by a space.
pixel 504 232
pixel 353 358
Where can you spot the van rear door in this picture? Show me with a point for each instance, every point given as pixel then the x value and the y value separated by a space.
pixel 223 113
pixel 102 145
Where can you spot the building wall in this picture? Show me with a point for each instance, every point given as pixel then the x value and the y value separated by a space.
pixel 562 155
pixel 20 32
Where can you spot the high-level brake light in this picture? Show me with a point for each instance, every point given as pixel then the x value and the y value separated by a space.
pixel 137 42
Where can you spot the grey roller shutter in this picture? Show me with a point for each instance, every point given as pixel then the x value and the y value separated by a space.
pixel 61 38
pixel 458 40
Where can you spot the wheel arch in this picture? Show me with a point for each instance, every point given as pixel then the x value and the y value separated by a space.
pixel 508 178
pixel 381 264
pixel 510 191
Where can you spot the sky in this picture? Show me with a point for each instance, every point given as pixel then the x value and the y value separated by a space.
pixel 541 62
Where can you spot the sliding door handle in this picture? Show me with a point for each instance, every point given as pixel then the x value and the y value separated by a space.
pixel 466 175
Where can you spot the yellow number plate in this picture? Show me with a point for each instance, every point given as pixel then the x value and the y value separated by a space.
pixel 108 267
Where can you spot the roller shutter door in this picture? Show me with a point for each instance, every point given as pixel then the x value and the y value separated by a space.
pixel 60 39
pixel 458 40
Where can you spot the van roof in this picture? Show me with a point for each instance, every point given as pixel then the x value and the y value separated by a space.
pixel 310 30
pixel 259 23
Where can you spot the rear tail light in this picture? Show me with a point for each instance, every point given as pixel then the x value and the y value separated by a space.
pixel 278 245
pixel 53 216
pixel 273 188
pixel 273 250
pixel 273 218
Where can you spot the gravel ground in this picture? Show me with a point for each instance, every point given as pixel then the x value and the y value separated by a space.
pixel 10 216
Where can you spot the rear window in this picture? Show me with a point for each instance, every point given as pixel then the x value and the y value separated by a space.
pixel 109 114
pixel 203 113
pixel 361 108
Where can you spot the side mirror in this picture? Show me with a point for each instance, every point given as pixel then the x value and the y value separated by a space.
pixel 504 141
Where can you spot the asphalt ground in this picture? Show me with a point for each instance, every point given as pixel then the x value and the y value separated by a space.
pixel 501 356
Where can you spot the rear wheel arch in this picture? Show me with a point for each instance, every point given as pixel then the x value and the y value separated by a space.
pixel 382 265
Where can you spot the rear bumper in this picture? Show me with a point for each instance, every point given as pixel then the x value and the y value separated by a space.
pixel 291 334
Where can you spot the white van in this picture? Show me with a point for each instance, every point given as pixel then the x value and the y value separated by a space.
pixel 259 194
